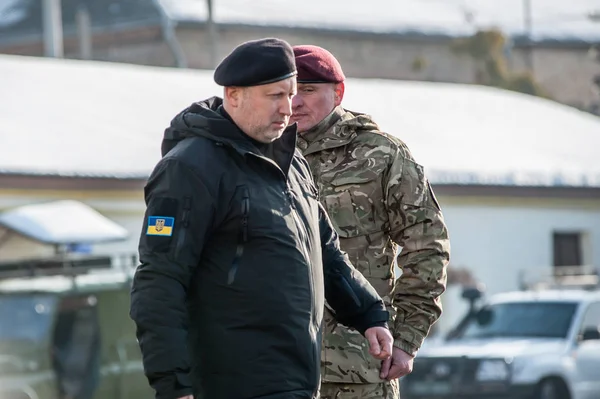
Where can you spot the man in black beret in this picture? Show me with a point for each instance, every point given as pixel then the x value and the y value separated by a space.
pixel 237 255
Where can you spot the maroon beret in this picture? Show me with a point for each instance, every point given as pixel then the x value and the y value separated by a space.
pixel 317 65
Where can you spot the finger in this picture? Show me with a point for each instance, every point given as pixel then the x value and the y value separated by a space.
pixel 398 370
pixel 382 356
pixel 387 345
pixel 385 368
pixel 374 347
pixel 384 339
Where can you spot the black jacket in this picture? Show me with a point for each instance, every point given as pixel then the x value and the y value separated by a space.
pixel 237 256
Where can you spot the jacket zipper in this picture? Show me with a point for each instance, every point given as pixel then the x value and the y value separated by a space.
pixel 303 237
pixel 242 237
pixel 187 206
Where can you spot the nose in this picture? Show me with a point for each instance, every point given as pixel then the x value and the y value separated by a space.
pixel 286 107
pixel 297 102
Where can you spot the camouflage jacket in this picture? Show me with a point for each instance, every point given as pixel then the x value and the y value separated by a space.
pixel 378 199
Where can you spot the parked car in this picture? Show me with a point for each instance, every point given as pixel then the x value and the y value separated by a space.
pixel 519 345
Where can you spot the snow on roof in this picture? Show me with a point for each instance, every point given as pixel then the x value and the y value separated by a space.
pixel 552 19
pixel 62 222
pixel 71 117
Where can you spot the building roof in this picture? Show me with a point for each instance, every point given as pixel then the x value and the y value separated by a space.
pixel 23 18
pixel 84 118
pixel 555 20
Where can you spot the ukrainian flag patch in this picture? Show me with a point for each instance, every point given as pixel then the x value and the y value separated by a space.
pixel 160 226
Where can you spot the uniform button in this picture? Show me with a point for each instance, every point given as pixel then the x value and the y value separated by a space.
pixel 302 144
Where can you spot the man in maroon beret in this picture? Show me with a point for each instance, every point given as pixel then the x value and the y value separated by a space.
pixel 378 200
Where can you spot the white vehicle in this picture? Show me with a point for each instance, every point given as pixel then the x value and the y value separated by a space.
pixel 519 345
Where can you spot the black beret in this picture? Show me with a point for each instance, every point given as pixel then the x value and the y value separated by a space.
pixel 257 62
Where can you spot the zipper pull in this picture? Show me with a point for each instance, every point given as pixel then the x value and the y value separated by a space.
pixel 245 212
pixel 187 206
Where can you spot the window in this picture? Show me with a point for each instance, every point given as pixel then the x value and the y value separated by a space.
pixel 591 320
pixel 567 249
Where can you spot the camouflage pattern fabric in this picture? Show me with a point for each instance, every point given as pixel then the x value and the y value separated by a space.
pixel 383 390
pixel 379 200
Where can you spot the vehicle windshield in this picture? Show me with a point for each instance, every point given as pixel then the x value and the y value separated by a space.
pixel 524 319
pixel 26 317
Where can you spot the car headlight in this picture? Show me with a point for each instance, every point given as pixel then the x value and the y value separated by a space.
pixel 492 370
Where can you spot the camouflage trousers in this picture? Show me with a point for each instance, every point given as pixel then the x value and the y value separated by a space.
pixel 383 390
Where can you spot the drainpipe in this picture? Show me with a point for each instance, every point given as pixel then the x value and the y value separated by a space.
pixel 212 33
pixel 53 29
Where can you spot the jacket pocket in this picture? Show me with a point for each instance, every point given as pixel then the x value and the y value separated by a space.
pixel 242 235
pixel 355 205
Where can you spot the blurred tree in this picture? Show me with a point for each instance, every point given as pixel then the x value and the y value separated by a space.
pixel 418 64
pixel 486 48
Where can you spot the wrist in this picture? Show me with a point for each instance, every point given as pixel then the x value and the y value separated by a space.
pixel 405 346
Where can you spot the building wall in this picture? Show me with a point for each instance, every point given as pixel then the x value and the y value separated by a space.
pixel 142 45
pixel 566 73
pixel 496 238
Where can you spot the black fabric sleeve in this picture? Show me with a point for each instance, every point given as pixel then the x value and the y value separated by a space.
pixel 355 302
pixel 178 218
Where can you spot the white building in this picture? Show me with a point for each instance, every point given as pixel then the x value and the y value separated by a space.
pixel 518 177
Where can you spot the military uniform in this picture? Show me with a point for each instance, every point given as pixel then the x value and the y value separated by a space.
pixel 378 199
pixel 238 256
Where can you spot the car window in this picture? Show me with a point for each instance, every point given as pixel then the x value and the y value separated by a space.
pixel 591 318
pixel 522 319
pixel 26 317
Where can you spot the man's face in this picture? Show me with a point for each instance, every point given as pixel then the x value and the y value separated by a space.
pixel 314 102
pixel 263 112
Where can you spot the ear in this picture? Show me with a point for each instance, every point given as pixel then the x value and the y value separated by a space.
pixel 233 95
pixel 339 90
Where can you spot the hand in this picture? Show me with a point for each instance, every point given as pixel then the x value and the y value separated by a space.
pixel 380 342
pixel 187 397
pixel 396 366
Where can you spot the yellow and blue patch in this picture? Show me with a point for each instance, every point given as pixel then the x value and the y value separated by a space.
pixel 160 226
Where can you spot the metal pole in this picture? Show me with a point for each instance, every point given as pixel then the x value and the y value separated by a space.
pixel 527 15
pixel 212 34
pixel 84 32
pixel 53 31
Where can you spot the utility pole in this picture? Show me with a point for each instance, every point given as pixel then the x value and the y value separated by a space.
pixel 84 32
pixel 53 30
pixel 212 33
pixel 527 16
